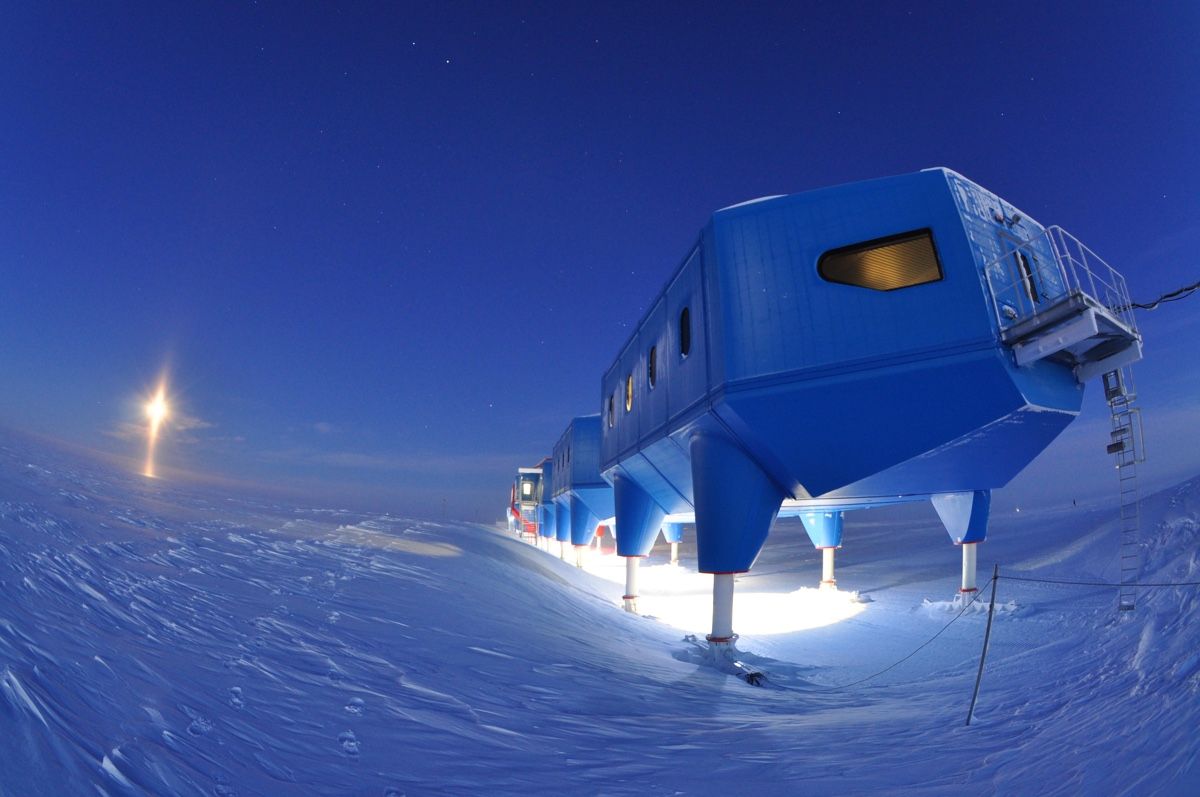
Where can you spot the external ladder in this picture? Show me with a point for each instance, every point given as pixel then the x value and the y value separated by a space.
pixel 1127 445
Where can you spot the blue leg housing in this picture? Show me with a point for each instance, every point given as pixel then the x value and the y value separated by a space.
pixel 965 515
pixel 583 523
pixel 824 528
pixel 547 523
pixel 562 521
pixel 672 532
pixel 736 503
pixel 638 517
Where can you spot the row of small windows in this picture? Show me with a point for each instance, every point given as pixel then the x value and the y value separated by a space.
pixel 882 264
pixel 685 348
pixel 564 458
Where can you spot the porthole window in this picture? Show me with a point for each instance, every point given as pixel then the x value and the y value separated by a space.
pixel 685 332
pixel 628 392
pixel 884 264
pixel 611 414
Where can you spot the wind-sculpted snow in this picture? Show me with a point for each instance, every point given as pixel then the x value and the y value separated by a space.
pixel 162 640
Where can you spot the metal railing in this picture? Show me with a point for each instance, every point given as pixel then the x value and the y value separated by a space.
pixel 1039 274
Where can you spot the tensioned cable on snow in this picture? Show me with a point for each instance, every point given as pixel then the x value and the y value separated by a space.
pixel 980 592
pixel 1105 583
pixel 923 645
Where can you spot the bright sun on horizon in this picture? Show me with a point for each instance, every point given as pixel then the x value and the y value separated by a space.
pixel 157 411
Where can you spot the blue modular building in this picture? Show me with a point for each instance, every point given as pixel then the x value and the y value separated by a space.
pixel 583 497
pixel 546 514
pixel 906 338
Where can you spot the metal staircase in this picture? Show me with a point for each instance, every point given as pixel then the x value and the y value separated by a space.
pixel 1126 444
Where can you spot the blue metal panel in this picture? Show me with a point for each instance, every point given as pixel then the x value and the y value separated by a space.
pixel 626 420
pixel 652 400
pixel 822 434
pixel 641 467
pixel 610 450
pixel 599 500
pixel 585 451
pixel 780 315
pixel 994 227
pixel 687 376
pixel 546 508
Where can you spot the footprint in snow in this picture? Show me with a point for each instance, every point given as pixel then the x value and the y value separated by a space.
pixel 235 697
pixel 355 706
pixel 349 743
pixel 199 725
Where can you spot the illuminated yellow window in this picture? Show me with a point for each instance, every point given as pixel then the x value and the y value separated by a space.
pixel 526 489
pixel 629 392
pixel 884 264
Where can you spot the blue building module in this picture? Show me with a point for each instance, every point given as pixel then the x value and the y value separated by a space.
pixel 582 496
pixel 547 525
pixel 898 339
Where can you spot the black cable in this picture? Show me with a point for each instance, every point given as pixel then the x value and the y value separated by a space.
pixel 1106 583
pixel 924 645
pixel 1173 296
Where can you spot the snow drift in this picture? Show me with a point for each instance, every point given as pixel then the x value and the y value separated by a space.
pixel 162 640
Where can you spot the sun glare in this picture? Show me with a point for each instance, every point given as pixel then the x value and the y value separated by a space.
pixel 157 411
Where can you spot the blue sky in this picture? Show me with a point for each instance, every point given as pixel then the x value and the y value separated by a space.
pixel 386 250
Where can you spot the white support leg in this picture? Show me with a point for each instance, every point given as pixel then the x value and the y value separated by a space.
pixel 579 549
pixel 827 579
pixel 562 550
pixel 674 553
pixel 631 582
pixel 968 570
pixel 722 624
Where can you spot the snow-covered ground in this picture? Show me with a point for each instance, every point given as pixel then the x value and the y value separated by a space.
pixel 167 640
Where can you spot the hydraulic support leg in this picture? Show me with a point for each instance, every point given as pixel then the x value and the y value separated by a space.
pixel 632 564
pixel 968 570
pixel 722 624
pixel 827 579
pixel 736 503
